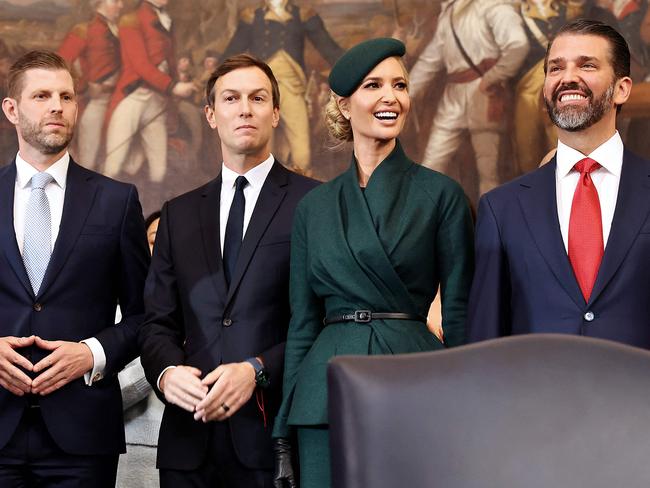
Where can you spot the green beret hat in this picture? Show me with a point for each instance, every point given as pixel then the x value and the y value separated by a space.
pixel 351 68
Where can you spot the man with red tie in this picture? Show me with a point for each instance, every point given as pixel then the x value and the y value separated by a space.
pixel 138 107
pixel 566 248
pixel 96 46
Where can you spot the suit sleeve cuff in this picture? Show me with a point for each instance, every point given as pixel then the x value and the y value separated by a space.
pixel 160 377
pixel 99 361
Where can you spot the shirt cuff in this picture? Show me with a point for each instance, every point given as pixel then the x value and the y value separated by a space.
pixel 160 377
pixel 99 361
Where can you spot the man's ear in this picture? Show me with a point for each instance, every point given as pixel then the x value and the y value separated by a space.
pixel 10 108
pixel 622 90
pixel 209 115
pixel 276 117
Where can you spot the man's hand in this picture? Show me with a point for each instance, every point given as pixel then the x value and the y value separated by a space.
pixel 184 89
pixel 233 385
pixel 11 377
pixel 66 362
pixel 485 87
pixel 182 387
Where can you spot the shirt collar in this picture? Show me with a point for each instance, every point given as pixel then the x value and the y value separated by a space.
pixel 609 155
pixel 156 7
pixel 112 26
pixel 58 170
pixel 256 176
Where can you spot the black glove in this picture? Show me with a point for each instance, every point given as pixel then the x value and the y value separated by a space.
pixel 283 476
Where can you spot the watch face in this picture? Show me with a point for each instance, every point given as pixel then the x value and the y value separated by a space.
pixel 262 379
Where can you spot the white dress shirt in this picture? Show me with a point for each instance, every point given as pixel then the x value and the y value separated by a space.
pixel 606 180
pixel 55 192
pixel 256 177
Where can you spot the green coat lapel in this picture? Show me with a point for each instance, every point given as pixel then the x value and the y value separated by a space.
pixel 364 218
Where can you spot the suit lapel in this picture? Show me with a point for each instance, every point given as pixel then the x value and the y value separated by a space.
pixel 632 209
pixel 272 194
pixel 539 204
pixel 79 196
pixel 8 236
pixel 209 219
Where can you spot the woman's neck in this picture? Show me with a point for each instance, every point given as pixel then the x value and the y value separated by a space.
pixel 369 155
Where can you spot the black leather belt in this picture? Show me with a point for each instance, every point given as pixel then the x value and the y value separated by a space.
pixel 365 316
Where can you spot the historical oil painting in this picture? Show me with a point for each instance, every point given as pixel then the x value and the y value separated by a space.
pixel 476 69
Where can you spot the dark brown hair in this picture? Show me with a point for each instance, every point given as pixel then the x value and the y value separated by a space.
pixel 618 49
pixel 241 61
pixel 38 59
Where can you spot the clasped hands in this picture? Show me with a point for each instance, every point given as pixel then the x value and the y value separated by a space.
pixel 216 397
pixel 66 362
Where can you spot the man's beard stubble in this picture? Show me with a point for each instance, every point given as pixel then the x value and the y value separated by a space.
pixel 574 119
pixel 34 135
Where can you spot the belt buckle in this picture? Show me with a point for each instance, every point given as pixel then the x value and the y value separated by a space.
pixel 362 316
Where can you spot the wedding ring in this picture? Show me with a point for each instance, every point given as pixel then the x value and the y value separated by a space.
pixel 225 407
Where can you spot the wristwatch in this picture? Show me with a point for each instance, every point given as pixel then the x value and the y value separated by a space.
pixel 261 376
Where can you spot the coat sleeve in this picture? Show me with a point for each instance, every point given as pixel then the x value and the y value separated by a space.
pixel 242 38
pixel 73 45
pixel 273 359
pixel 455 260
pixel 161 336
pixel 428 66
pixel 133 48
pixel 133 384
pixel 321 38
pixel 120 342
pixel 489 313
pixel 306 316
pixel 508 30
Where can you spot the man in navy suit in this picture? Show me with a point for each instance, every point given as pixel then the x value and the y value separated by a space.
pixel 566 248
pixel 217 298
pixel 72 244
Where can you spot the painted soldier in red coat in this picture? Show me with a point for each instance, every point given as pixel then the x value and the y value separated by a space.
pixel 96 47
pixel 138 109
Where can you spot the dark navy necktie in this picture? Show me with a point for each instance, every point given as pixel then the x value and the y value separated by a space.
pixel 234 229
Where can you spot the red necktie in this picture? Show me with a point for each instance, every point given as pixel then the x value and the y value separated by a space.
pixel 586 229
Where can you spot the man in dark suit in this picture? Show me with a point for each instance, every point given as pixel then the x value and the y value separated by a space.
pixel 72 245
pixel 217 295
pixel 566 247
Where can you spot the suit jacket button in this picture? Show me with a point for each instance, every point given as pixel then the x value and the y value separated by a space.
pixel 589 316
pixel 38 307
pixel 227 322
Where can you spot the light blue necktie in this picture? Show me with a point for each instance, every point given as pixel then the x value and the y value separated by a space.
pixel 37 246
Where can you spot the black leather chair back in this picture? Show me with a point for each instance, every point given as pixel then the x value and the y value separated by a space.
pixel 536 411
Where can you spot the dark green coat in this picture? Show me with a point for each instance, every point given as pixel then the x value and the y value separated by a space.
pixel 384 250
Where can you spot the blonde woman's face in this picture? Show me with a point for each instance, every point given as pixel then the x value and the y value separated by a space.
pixel 377 110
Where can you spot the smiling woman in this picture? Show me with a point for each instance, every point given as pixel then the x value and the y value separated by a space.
pixel 369 250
